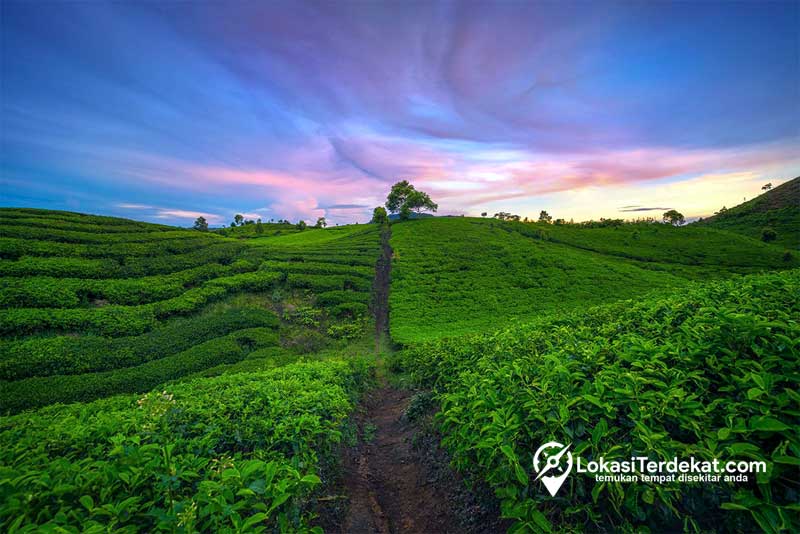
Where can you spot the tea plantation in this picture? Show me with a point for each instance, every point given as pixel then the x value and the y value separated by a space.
pixel 157 379
pixel 457 275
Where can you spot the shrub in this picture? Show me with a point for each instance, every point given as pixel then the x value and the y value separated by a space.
pixel 709 372
pixel 239 452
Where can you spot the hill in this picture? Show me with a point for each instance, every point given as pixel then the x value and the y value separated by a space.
pixel 778 208
pixel 95 306
pixel 458 275
pixel 155 379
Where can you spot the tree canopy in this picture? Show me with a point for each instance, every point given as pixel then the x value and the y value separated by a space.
pixel 404 198
pixel 674 218
pixel 379 215
pixel 201 224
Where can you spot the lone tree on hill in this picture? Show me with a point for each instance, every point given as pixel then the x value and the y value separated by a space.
pixel 379 215
pixel 404 198
pixel 767 187
pixel 545 217
pixel 321 223
pixel 301 225
pixel 674 218
pixel 201 224
pixel 238 219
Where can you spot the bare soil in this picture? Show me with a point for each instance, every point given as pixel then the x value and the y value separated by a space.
pixel 396 480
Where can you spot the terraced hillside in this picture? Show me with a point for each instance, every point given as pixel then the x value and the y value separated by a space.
pixel 460 275
pixel 86 312
pixel 778 209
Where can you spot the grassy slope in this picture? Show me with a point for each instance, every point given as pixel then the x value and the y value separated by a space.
pixel 459 275
pixel 778 208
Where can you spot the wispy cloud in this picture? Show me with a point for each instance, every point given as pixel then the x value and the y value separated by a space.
pixel 296 110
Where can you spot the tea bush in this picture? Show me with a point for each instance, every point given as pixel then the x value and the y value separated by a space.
pixel 240 452
pixel 708 372
pixel 41 391
pixel 63 355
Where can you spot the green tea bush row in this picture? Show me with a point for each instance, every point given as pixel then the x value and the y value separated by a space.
pixel 332 298
pixel 323 283
pixel 74 236
pixel 236 453
pixel 129 320
pixel 313 267
pixel 61 224
pixel 50 292
pixel 365 260
pixel 59 267
pixel 710 372
pixel 125 266
pixel 14 248
pixel 42 391
pixel 66 355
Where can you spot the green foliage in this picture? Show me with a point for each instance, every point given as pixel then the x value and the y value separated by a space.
pixel 710 371
pixel 379 216
pixel 404 198
pixel 236 453
pixel 778 208
pixel 768 234
pixel 41 391
pixel 201 224
pixel 457 275
pixel 673 217
pixel 66 355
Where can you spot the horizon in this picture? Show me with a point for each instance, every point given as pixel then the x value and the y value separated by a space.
pixel 166 112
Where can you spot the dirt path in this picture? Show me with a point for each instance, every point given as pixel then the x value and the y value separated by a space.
pixel 383 269
pixel 389 489
pixel 397 479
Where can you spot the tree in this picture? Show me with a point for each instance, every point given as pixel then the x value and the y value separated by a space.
pixel 301 225
pixel 321 223
pixel 544 217
pixel 259 227
pixel 674 218
pixel 201 224
pixel 720 212
pixel 404 198
pixel 768 234
pixel 379 215
pixel 767 187
pixel 419 202
pixel 238 219
pixel 483 214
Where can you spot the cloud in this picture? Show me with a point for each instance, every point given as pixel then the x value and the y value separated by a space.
pixel 646 209
pixel 305 107
pixel 343 207
pixel 170 213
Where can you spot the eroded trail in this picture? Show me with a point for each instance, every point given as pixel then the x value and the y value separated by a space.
pixel 390 490
pixel 397 479
pixel 383 269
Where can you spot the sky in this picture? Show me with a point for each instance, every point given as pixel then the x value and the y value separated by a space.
pixel 166 111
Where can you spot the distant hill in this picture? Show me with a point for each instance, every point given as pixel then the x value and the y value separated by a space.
pixel 778 208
